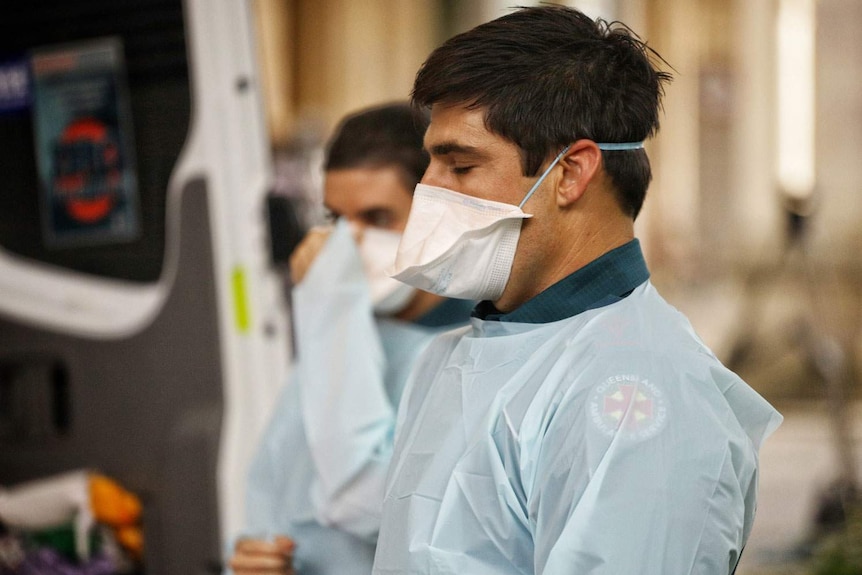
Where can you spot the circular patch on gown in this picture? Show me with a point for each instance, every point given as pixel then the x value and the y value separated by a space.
pixel 630 405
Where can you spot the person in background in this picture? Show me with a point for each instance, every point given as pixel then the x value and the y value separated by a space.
pixel 317 480
pixel 578 425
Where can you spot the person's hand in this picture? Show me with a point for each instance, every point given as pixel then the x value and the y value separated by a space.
pixel 259 557
pixel 306 252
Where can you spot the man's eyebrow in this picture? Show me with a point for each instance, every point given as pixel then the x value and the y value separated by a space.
pixel 444 148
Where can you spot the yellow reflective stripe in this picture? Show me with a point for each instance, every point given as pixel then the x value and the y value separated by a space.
pixel 240 300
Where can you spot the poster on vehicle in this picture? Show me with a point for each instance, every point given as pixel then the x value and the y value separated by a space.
pixel 84 145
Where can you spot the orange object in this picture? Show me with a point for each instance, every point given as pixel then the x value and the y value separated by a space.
pixel 131 538
pixel 111 503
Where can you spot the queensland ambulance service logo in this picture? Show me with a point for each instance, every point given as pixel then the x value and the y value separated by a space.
pixel 628 405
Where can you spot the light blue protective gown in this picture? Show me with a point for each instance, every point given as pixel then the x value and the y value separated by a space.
pixel 319 472
pixel 612 442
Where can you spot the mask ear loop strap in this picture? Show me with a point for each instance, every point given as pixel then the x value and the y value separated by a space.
pixel 605 147
pixel 542 177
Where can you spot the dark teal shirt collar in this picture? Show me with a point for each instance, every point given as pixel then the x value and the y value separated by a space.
pixel 449 312
pixel 601 282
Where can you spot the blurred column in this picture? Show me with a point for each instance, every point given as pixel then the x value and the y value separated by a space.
pixel 324 58
pixel 351 54
pixel 756 203
pixel 795 96
pixel 670 220
pixel 461 15
pixel 837 227
pixel 466 14
pixel 274 21
pixel 635 14
pixel 607 10
pixel 838 233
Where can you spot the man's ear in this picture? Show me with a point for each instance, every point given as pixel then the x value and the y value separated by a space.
pixel 581 164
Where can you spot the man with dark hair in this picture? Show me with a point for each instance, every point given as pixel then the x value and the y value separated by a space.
pixel 386 135
pixel 319 473
pixel 578 425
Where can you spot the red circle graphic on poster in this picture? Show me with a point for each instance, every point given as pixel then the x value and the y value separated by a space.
pixel 87 175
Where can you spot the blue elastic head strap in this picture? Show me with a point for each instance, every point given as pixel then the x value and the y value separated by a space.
pixel 603 147
pixel 621 146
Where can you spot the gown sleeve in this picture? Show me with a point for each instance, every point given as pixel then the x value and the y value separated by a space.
pixel 661 478
pixel 347 416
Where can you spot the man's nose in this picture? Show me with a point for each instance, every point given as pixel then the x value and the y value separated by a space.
pixel 357 227
pixel 434 176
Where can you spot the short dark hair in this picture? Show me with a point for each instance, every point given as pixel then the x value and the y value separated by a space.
pixel 385 135
pixel 549 75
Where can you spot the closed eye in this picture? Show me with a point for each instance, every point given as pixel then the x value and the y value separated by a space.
pixel 378 217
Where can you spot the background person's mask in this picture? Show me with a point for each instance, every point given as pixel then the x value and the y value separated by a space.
pixel 377 248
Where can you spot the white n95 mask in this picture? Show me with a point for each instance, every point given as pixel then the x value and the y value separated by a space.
pixel 459 246
pixel 377 249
